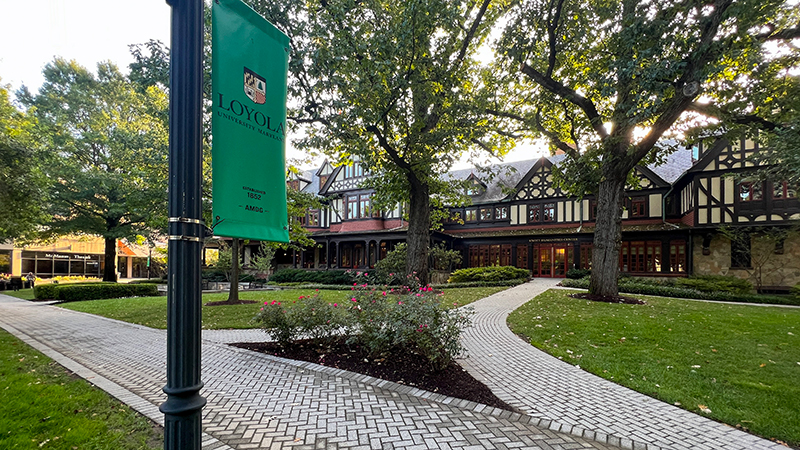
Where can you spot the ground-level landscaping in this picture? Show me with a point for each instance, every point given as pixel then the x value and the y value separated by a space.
pixel 736 364
pixel 152 311
pixel 45 406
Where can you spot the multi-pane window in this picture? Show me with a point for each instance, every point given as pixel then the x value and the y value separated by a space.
pixel 640 256
pixel 522 256
pixel 740 252
pixel 592 209
pixel 313 218
pixel 358 206
pixel 749 192
pixel 677 256
pixel 549 212
pixel 638 207
pixel 356 170
pixel 486 213
pixel 783 190
pixel 501 213
pixel 534 213
pixel 586 256
pixel 471 215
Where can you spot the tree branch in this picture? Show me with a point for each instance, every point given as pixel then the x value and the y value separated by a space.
pixel 559 89
pixel 402 163
pixel 694 65
pixel 785 34
pixel 471 34
pixel 552 26
pixel 741 119
pixel 561 145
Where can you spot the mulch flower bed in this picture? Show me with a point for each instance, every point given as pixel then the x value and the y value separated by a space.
pixel 609 299
pixel 401 367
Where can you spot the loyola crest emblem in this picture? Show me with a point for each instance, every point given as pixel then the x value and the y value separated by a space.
pixel 255 86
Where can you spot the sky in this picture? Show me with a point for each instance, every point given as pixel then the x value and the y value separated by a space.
pixel 33 32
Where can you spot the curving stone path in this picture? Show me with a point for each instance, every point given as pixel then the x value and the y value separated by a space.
pixel 264 402
pixel 576 401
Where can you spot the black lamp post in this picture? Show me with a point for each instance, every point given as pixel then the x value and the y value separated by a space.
pixel 183 408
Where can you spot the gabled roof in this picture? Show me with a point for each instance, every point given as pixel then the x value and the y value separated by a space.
pixel 498 178
pixel 676 164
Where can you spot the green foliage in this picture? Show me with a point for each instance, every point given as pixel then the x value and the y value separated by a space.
pixel 336 277
pixel 739 361
pixel 644 287
pixel 105 142
pixel 796 290
pixel 577 274
pixel 473 284
pixel 606 82
pixel 22 193
pixel 409 319
pixel 261 262
pixel 493 273
pixel 46 406
pixel 93 291
pixel 397 85
pixel 716 283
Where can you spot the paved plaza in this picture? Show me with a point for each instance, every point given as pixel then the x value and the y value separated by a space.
pixel 261 401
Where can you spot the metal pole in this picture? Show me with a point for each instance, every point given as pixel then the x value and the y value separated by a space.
pixel 183 408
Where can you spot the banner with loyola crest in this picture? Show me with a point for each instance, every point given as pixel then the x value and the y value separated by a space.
pixel 249 67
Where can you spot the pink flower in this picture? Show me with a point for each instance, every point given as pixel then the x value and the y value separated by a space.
pixel 399 303
pixel 355 284
pixel 335 305
pixel 273 302
pixel 266 303
pixel 391 274
pixel 365 274
pixel 301 297
pixel 384 293
pixel 279 303
pixel 354 299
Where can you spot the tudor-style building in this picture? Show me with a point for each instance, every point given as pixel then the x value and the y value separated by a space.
pixel 519 217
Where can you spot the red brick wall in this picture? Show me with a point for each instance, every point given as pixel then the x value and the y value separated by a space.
pixel 688 219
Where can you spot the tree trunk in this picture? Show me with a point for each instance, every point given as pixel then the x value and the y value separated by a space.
pixel 233 293
pixel 608 233
pixel 110 270
pixel 419 226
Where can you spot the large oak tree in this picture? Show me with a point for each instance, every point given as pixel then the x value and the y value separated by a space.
pixel 398 85
pixel 103 148
pixel 605 81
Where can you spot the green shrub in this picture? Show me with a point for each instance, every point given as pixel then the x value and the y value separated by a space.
pixel 468 284
pixel 577 274
pixel 93 291
pixel 339 277
pixel 796 290
pixel 493 273
pixel 635 286
pixel 716 283
pixel 384 320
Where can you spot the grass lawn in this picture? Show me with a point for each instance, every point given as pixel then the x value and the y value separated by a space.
pixel 44 406
pixel 25 294
pixel 735 364
pixel 152 311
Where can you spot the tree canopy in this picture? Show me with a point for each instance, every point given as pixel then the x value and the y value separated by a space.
pixel 21 182
pixel 397 84
pixel 103 147
pixel 605 82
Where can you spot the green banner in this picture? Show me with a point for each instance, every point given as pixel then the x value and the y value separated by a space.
pixel 249 67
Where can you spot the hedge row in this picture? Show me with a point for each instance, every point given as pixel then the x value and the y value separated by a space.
pixel 493 273
pixel 469 284
pixel 339 277
pixel 93 291
pixel 629 286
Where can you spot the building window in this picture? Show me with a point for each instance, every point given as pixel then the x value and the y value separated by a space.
pixel 501 213
pixel 313 218
pixel 592 209
pixel 549 212
pixel 534 214
pixel 486 214
pixel 677 256
pixel 638 207
pixel 522 256
pixel 640 256
pixel 471 215
pixel 358 206
pixel 586 256
pixel 783 190
pixel 740 252
pixel 749 192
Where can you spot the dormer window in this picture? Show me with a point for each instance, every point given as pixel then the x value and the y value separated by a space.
pixel 475 186
pixel 750 192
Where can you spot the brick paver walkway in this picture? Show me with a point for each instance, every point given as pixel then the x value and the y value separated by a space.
pixel 548 388
pixel 260 401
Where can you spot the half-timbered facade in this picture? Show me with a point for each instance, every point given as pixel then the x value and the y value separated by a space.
pixel 518 216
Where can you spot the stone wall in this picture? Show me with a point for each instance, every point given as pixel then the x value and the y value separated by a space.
pixel 775 269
